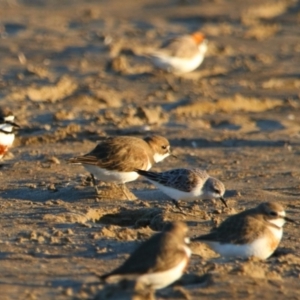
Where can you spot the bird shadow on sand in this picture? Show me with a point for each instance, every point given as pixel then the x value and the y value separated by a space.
pixel 68 194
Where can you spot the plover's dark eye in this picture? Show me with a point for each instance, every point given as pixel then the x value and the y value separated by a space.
pixel 164 147
pixel 217 191
pixel 273 213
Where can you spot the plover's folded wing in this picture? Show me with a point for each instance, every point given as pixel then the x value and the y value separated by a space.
pixel 181 179
pixel 125 157
pixel 234 230
pixel 180 47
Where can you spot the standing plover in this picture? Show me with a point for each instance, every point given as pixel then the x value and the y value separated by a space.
pixel 186 184
pixel 253 232
pixel 182 54
pixel 157 262
pixel 116 158
pixel 7 131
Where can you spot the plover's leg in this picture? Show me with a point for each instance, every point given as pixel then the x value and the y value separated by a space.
pixel 121 187
pixel 114 185
pixel 176 203
pixel 94 184
pixel 125 190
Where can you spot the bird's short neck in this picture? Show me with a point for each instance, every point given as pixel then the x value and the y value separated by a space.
pixel 157 157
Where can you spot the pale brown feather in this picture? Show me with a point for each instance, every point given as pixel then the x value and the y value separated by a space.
pixel 119 153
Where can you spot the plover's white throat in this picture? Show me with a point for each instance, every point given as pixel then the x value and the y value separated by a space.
pixel 159 261
pixel 182 54
pixel 116 158
pixel 253 232
pixel 7 131
pixel 186 184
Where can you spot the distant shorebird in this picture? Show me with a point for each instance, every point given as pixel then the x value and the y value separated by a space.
pixel 116 158
pixel 253 232
pixel 186 184
pixel 182 54
pixel 7 131
pixel 157 262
